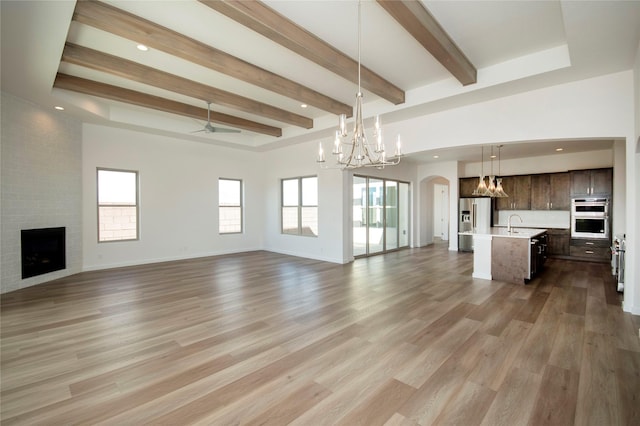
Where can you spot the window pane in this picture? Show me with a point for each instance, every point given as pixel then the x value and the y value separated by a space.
pixel 290 220
pixel 229 192
pixel 376 208
pixel 391 215
pixel 359 216
pixel 309 221
pixel 117 223
pixel 230 220
pixel 290 192
pixel 310 191
pixel 116 187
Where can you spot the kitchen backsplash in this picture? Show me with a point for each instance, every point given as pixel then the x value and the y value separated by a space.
pixel 560 219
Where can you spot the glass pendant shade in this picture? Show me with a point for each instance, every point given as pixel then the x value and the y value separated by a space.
pixel 491 188
pixel 499 192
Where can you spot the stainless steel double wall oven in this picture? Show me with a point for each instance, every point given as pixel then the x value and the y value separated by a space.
pixel 590 218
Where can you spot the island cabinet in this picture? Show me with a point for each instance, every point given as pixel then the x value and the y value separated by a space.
pixel 510 259
pixel 467 186
pixel 550 191
pixel 558 241
pixel 516 259
pixel 592 183
pixel 518 189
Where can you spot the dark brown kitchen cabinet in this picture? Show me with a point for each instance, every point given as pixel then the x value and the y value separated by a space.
pixel 592 183
pixel 518 189
pixel 558 242
pixel 467 186
pixel 550 191
pixel 596 250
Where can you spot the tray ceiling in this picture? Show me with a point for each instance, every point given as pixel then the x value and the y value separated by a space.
pixel 258 62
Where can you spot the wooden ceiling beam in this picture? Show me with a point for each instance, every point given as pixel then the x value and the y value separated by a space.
pixel 107 91
pixel 266 21
pixel 417 20
pixel 124 24
pixel 134 71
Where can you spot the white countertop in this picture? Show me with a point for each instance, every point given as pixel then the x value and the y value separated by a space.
pixel 502 232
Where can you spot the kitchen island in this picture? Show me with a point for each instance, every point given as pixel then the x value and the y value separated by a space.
pixel 511 255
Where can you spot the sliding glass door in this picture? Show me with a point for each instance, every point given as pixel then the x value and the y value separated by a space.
pixel 359 216
pixel 380 215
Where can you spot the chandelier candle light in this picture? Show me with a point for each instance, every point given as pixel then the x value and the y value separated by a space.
pixel 359 152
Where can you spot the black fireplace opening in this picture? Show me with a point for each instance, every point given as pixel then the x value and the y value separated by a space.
pixel 43 251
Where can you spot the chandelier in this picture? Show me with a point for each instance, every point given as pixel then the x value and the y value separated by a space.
pixel 358 151
pixel 494 186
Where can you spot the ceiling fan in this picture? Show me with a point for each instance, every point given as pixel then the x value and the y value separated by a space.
pixel 209 128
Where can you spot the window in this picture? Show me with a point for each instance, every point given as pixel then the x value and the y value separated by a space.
pixel 117 205
pixel 300 206
pixel 229 206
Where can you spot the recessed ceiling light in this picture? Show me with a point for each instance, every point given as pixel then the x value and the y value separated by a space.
pixel 494 156
pixel 59 108
pixel 142 47
pixel 436 156
pixel 559 149
pixel 303 105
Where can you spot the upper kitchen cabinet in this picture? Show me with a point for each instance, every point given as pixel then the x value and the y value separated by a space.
pixel 518 189
pixel 550 191
pixel 592 183
pixel 467 186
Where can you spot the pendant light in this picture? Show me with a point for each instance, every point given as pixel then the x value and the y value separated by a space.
pixel 499 192
pixel 491 188
pixel 481 190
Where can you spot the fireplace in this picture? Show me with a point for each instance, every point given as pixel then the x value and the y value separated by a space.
pixel 43 251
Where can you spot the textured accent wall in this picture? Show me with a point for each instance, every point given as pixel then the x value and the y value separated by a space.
pixel 41 175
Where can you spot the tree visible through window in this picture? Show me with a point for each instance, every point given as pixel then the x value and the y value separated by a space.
pixel 300 206
pixel 117 205
pixel 229 206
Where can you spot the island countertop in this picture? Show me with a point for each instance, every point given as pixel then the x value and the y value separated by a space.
pixel 502 232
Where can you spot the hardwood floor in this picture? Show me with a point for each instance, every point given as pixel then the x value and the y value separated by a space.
pixel 407 338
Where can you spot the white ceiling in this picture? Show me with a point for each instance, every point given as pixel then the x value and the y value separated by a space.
pixel 558 41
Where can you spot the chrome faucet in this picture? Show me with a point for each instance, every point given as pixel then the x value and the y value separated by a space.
pixel 509 221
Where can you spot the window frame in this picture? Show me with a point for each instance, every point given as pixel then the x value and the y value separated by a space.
pixel 300 206
pixel 241 206
pixel 136 205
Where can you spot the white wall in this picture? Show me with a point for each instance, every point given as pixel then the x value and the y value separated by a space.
pixel 632 284
pixel 600 107
pixel 178 197
pixel 41 186
pixel 297 161
pixel 547 163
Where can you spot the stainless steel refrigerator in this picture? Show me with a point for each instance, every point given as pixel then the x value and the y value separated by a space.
pixel 474 214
